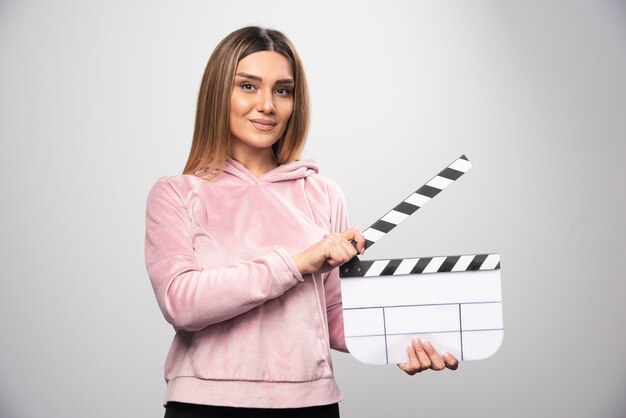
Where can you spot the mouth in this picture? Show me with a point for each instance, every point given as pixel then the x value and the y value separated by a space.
pixel 263 124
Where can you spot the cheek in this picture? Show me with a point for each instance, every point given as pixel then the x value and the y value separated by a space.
pixel 287 111
pixel 238 105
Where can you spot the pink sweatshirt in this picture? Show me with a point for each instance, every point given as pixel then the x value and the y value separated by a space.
pixel 251 331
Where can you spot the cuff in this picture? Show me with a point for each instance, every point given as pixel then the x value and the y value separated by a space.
pixel 289 262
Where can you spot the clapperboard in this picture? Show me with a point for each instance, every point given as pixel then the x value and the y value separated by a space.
pixel 455 302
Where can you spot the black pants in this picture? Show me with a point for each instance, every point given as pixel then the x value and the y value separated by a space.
pixel 188 410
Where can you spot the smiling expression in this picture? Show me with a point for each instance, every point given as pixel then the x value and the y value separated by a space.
pixel 261 102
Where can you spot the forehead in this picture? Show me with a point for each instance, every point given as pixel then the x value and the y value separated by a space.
pixel 265 64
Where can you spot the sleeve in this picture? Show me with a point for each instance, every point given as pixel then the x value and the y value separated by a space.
pixel 332 285
pixel 190 297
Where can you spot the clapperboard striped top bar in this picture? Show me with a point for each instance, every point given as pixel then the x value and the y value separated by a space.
pixel 421 265
pixel 416 200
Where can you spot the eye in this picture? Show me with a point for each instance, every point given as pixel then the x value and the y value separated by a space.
pixel 247 86
pixel 283 91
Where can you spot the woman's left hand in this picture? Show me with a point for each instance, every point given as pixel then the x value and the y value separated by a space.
pixel 423 356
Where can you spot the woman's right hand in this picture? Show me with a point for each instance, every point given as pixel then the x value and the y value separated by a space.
pixel 331 251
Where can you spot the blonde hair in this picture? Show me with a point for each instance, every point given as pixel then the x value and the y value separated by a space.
pixel 211 135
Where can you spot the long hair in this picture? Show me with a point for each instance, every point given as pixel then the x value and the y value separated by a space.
pixel 211 136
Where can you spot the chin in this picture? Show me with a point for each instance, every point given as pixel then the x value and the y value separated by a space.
pixel 260 142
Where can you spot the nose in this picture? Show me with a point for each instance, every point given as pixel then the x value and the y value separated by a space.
pixel 266 102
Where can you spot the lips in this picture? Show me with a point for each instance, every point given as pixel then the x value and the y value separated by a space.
pixel 263 124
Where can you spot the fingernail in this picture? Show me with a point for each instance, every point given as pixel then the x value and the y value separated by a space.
pixel 445 355
pixel 416 340
pixel 427 345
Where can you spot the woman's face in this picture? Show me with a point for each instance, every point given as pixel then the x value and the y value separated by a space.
pixel 261 102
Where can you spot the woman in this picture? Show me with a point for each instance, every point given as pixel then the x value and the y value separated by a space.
pixel 241 249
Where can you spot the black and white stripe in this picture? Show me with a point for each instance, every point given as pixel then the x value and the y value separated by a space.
pixel 416 200
pixel 419 265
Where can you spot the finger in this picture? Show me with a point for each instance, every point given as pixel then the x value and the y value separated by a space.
pixel 413 366
pixel 351 250
pixel 354 234
pixel 360 241
pixel 349 233
pixel 421 354
pixel 344 249
pixel 406 368
pixel 339 251
pixel 436 361
pixel 451 362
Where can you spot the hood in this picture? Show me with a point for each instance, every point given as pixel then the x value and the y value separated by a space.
pixel 290 171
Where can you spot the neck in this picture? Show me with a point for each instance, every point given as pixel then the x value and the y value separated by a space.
pixel 257 162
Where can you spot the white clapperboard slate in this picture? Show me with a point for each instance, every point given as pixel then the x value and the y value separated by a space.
pixel 455 302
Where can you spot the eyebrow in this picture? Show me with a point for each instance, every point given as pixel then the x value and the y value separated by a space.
pixel 257 78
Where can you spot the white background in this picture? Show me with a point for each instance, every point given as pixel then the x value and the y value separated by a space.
pixel 97 101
